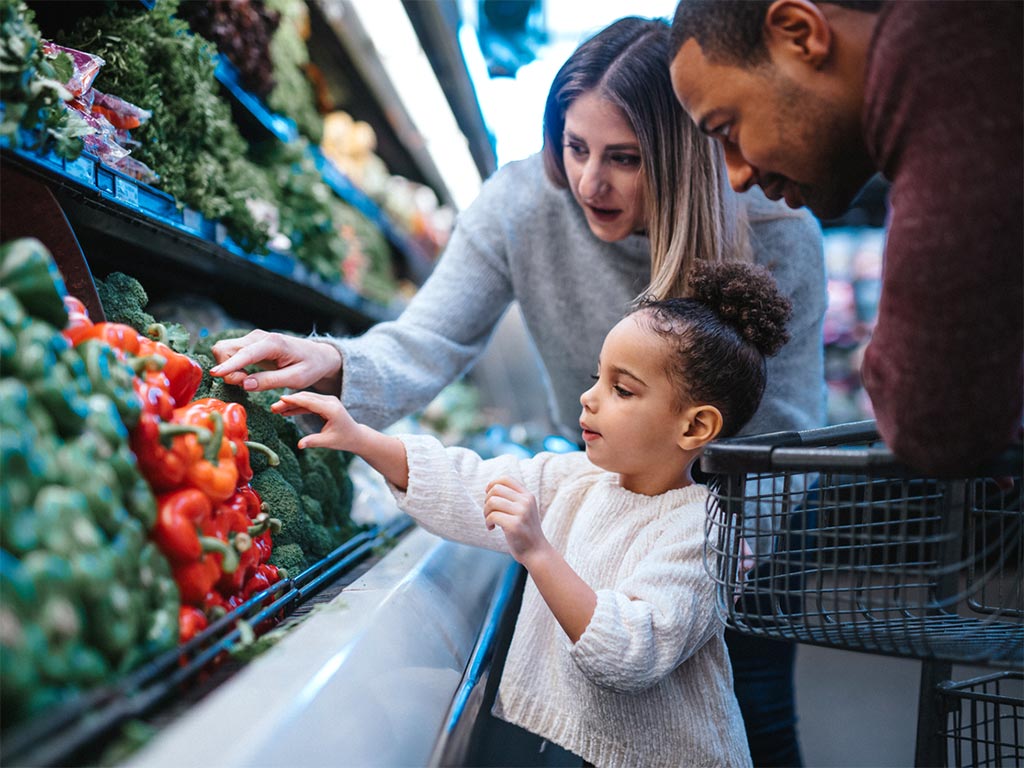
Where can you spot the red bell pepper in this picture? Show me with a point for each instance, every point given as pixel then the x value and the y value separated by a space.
pixel 231 520
pixel 78 323
pixel 236 430
pixel 118 335
pixel 191 621
pixel 184 374
pixel 179 520
pixel 153 389
pixel 197 578
pixel 162 466
pixel 213 470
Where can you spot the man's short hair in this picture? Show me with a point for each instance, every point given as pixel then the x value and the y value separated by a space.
pixel 732 31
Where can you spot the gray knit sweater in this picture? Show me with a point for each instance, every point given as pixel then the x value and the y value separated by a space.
pixel 648 683
pixel 524 239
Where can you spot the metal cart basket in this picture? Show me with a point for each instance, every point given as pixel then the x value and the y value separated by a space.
pixel 985 720
pixel 853 550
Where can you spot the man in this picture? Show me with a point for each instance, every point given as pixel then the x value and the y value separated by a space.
pixel 809 100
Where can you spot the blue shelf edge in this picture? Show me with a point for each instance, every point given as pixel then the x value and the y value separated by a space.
pixel 281 127
pixel 344 188
pixel 285 130
pixel 89 173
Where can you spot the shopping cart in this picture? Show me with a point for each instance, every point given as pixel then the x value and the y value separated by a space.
pixel 985 720
pixel 854 550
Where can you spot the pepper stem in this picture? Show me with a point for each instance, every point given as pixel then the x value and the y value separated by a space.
pixel 170 430
pixel 263 523
pixel 272 458
pixel 213 448
pixel 147 363
pixel 229 555
pixel 157 332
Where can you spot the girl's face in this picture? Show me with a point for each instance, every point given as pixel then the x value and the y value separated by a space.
pixel 602 162
pixel 629 422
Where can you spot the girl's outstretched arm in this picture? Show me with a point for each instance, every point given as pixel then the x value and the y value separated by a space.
pixel 342 433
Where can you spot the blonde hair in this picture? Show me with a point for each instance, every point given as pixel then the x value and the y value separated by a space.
pixel 692 214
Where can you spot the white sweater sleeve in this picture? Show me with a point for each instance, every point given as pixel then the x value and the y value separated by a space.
pixel 653 620
pixel 446 490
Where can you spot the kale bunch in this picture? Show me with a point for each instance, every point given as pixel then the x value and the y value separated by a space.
pixel 155 61
pixel 32 96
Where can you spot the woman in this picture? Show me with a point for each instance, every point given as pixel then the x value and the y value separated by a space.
pixel 625 195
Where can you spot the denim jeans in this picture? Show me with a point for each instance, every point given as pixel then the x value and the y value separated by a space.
pixel 763 673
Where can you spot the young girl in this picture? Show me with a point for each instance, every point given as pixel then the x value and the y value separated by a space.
pixel 617 653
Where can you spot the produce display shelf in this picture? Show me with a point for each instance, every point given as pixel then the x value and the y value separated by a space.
pixel 152 220
pixel 80 729
pixel 275 125
pixel 416 259
pixel 283 129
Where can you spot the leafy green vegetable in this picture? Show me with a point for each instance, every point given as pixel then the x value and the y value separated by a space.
pixel 293 95
pixel 32 93
pixel 306 207
pixel 154 61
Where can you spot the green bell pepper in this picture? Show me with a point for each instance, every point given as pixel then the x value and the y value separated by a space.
pixel 28 271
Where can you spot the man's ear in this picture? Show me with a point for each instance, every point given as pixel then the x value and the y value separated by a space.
pixel 798 30
pixel 700 424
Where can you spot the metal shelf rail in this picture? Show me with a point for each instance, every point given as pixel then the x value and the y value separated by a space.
pixel 854 550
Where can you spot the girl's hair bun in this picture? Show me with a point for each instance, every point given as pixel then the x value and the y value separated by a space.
pixel 746 297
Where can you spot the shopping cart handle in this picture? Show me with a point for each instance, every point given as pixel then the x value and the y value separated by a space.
pixel 851 447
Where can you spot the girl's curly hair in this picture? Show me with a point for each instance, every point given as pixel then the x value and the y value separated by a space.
pixel 721 336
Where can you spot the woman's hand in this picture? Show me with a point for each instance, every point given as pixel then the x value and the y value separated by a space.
pixel 340 430
pixel 290 361
pixel 512 508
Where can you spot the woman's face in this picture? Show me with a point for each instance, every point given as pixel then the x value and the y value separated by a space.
pixel 602 162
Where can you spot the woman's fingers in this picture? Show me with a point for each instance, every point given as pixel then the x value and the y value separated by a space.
pixel 250 349
pixel 225 348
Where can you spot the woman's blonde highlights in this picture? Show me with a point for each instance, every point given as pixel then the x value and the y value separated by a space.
pixel 691 213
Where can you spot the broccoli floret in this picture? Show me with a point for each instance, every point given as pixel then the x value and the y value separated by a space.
pixel 321 542
pixel 290 557
pixel 208 382
pixel 315 483
pixel 313 509
pixel 289 466
pixel 124 300
pixel 325 478
pixel 283 502
pixel 261 424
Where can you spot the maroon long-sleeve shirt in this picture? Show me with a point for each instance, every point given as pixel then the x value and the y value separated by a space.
pixel 943 121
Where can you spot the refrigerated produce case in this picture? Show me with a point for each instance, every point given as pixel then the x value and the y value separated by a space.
pixel 371 646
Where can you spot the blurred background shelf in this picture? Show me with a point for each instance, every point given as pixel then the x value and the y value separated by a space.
pixel 125 225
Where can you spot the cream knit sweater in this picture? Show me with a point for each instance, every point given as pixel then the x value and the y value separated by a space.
pixel 649 682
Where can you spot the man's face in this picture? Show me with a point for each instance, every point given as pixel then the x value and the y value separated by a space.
pixel 789 136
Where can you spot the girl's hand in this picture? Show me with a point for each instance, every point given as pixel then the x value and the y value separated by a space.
pixel 340 430
pixel 512 508
pixel 289 361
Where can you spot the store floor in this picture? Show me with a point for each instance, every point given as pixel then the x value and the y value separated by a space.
pixel 859 710
pixel 856 710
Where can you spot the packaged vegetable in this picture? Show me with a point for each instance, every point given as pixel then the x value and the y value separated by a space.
pixel 120 113
pixel 86 66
